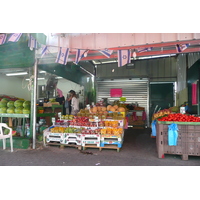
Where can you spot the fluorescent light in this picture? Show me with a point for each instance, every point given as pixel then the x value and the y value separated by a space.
pixel 58 77
pixel 37 79
pixel 42 72
pixel 157 56
pixel 16 74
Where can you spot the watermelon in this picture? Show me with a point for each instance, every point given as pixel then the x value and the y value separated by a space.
pixel 19 110
pixel 18 103
pixel 11 110
pixel 5 100
pixel 10 104
pixel 26 111
pixel 6 131
pixel 3 109
pixel 3 104
pixel 26 104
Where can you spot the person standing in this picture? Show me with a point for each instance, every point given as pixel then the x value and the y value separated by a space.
pixel 69 99
pixel 74 102
pixel 61 99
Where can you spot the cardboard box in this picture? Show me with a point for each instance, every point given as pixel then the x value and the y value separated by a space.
pixel 47 104
pixel 55 103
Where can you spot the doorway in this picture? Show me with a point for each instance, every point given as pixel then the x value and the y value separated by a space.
pixel 161 96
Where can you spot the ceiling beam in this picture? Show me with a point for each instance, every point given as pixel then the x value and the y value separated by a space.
pixel 156 45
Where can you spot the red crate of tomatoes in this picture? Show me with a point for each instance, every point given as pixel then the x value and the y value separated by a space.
pixel 178 117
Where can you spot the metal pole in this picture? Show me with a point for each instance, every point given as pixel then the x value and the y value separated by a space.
pixel 34 102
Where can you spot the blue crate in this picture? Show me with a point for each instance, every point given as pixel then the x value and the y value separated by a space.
pixel 119 144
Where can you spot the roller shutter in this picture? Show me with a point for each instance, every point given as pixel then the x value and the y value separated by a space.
pixel 134 90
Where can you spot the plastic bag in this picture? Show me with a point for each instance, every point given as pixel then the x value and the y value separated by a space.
pixel 153 127
pixel 172 134
pixel 66 104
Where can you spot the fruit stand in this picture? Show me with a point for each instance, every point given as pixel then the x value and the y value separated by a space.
pixel 88 130
pixel 187 135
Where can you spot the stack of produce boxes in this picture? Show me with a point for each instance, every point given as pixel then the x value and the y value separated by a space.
pixel 55 134
pixel 90 137
pixel 72 136
pixel 89 130
pixel 112 134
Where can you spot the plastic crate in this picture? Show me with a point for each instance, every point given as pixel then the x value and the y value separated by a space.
pixel 111 142
pixel 90 139
pixel 53 138
pixel 188 140
pixel 106 137
pixel 72 135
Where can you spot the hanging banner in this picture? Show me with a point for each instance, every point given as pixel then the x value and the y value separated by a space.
pixel 140 50
pixel 2 38
pixel 32 42
pixel 106 52
pixel 44 51
pixel 62 56
pixel 124 57
pixel 81 53
pixel 14 37
pixel 181 47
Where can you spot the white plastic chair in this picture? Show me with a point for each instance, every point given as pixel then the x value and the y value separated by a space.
pixel 4 137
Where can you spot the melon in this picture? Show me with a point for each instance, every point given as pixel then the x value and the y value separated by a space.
pixel 98 108
pixel 6 131
pixel 116 107
pixel 18 103
pixel 94 109
pixel 5 100
pixel 26 111
pixel 112 109
pixel 11 110
pixel 121 109
pixel 3 109
pixel 108 107
pixel 10 104
pixel 3 104
pixel 19 110
pixel 103 109
pixel 27 104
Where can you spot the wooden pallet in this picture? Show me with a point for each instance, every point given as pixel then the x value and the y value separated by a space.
pixel 62 146
pixel 90 146
pixel 110 146
pixel 106 146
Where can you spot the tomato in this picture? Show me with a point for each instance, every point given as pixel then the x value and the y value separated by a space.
pixel 180 118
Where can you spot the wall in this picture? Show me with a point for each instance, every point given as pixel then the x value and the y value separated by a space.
pixel 193 75
pixel 182 97
pixel 157 69
pixel 13 86
pixel 66 85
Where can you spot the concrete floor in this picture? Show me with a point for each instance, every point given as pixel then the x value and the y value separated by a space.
pixel 138 149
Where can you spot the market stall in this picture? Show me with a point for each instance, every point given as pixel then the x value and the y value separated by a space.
pixel 177 134
pixel 93 127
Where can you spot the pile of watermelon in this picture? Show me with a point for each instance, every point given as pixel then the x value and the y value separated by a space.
pixel 17 106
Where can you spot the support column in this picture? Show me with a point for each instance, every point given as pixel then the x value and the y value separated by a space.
pixel 33 104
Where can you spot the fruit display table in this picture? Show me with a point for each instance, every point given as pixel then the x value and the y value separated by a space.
pixel 83 132
pixel 23 116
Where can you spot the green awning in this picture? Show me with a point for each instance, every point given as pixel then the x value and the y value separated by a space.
pixel 18 54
